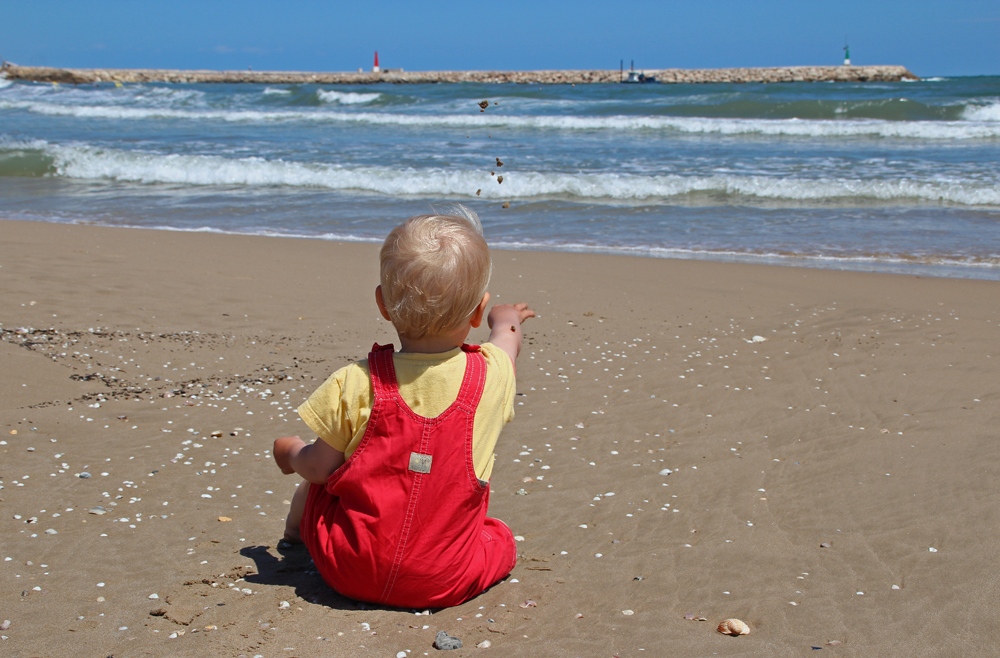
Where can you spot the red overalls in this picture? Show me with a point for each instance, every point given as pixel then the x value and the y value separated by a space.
pixel 403 522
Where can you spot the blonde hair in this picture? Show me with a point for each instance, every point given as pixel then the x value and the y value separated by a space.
pixel 434 270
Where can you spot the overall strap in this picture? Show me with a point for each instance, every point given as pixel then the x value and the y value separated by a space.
pixel 475 378
pixel 383 371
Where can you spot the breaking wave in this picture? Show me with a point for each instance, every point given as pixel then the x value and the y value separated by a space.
pixel 981 122
pixel 345 97
pixel 38 158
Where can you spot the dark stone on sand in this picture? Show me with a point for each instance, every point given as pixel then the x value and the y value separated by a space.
pixel 446 642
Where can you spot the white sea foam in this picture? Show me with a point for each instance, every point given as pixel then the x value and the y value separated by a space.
pixel 983 112
pixel 84 162
pixel 345 97
pixel 270 91
pixel 934 130
pixel 4 82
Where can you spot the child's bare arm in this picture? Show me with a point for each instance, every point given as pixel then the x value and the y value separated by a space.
pixel 314 462
pixel 504 322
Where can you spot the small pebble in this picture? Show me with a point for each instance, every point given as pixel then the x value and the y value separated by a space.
pixel 5 625
pixel 284 605
pixel 153 596
pixel 485 644
pixel 84 476
pixel 628 613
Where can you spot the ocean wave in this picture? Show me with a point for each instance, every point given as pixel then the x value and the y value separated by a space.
pixel 271 91
pixel 345 97
pixel 87 162
pixel 983 112
pixel 982 127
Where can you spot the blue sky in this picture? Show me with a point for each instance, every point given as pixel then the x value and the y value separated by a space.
pixel 928 37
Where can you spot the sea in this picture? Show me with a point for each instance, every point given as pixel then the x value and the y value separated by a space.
pixel 890 177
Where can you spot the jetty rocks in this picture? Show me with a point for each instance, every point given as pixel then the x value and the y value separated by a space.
pixel 398 76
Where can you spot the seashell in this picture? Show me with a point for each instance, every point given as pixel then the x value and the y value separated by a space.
pixel 834 643
pixel 758 339
pixel 733 627
pixel 529 604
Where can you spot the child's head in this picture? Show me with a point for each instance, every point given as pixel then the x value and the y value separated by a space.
pixel 434 272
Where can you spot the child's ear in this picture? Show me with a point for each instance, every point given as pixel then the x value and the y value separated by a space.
pixel 381 303
pixel 477 315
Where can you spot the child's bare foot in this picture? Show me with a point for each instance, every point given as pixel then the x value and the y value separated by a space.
pixel 292 536
pixel 284 448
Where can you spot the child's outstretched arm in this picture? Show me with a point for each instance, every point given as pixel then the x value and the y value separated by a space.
pixel 314 462
pixel 504 322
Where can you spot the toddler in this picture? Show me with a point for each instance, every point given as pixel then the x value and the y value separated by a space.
pixel 393 506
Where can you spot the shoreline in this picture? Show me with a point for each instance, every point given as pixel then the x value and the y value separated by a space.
pixel 877 73
pixel 860 264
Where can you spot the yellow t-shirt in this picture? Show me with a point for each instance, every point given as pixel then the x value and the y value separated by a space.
pixel 339 409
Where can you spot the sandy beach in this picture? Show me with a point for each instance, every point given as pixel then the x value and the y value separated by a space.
pixel 813 452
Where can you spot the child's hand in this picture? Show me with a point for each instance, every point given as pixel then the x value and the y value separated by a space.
pixel 509 312
pixel 504 322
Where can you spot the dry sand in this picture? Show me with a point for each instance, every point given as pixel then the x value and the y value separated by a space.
pixel 866 422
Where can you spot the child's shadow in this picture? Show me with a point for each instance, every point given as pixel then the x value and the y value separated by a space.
pixel 295 569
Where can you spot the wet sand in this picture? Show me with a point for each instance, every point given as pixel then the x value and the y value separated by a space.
pixel 836 481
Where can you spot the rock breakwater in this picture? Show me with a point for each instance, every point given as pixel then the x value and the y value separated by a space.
pixel 676 76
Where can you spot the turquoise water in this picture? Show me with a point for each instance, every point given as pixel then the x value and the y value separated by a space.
pixel 879 176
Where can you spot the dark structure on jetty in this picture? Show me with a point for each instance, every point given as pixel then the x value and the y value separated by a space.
pixel 397 76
